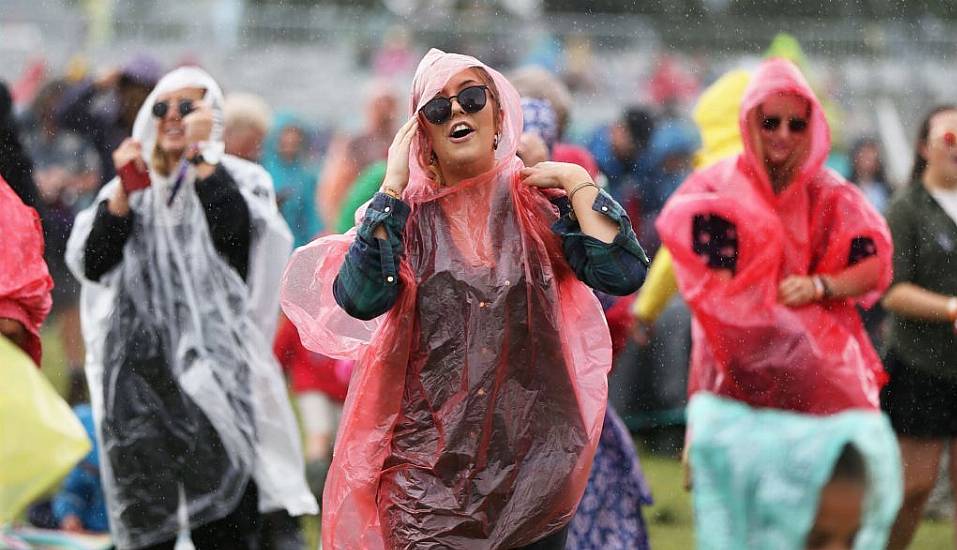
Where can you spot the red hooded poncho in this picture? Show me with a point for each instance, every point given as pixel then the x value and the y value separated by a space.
pixel 475 407
pixel 25 283
pixel 747 346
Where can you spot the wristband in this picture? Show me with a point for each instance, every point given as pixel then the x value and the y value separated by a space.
pixel 828 293
pixel 819 289
pixel 579 187
pixel 952 308
pixel 204 152
pixel 197 159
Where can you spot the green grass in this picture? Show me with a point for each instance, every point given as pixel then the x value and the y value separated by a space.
pixel 671 522
pixel 54 363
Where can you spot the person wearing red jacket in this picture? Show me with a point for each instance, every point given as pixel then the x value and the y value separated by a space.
pixel 320 384
pixel 25 282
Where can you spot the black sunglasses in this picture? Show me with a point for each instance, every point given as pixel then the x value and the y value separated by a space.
pixel 471 99
pixel 795 125
pixel 161 108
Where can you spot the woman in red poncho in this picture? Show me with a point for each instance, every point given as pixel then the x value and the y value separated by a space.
pixel 25 283
pixel 476 404
pixel 772 253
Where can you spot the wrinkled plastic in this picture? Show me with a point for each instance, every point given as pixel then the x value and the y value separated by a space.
pixel 185 390
pixel 815 358
pixel 477 402
pixel 40 438
pixel 25 282
pixel 758 473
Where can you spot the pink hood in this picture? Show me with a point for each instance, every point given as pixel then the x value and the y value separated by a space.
pixel 780 76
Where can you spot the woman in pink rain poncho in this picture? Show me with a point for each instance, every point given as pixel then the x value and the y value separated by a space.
pixel 478 396
pixel 772 252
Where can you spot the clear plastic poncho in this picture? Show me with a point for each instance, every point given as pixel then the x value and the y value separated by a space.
pixel 187 396
pixel 477 401
pixel 747 346
pixel 758 473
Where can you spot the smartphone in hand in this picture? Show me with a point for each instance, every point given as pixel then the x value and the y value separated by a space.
pixel 132 177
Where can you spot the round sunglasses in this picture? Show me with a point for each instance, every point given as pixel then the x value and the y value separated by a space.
pixel 161 108
pixel 438 110
pixel 772 123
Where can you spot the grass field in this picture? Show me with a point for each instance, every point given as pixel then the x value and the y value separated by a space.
pixel 670 519
pixel 672 528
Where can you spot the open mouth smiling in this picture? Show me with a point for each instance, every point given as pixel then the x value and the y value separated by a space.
pixel 461 131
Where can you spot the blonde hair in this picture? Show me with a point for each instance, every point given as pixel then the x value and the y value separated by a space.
pixel 159 162
pixel 245 110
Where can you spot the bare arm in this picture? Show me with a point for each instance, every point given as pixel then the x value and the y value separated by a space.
pixel 571 178
pixel 592 223
pixel 397 167
pixel 858 279
pixel 910 300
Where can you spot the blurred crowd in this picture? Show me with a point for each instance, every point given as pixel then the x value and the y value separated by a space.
pixel 58 136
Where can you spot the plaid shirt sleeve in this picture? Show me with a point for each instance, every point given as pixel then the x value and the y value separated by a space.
pixel 368 282
pixel 616 268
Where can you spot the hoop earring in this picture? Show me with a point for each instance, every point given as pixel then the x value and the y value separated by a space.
pixel 495 143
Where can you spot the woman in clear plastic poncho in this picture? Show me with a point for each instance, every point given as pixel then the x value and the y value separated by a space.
pixel 772 253
pixel 179 308
pixel 478 396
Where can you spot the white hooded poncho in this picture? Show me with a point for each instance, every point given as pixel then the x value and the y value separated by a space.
pixel 186 392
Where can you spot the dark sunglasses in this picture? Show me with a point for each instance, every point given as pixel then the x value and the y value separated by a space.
pixel 795 125
pixel 161 108
pixel 439 109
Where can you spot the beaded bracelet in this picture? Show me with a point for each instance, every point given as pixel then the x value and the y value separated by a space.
pixel 579 187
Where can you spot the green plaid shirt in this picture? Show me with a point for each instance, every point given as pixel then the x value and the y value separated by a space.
pixel 368 282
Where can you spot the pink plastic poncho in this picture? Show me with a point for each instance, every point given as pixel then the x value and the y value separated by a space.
pixel 747 346
pixel 25 283
pixel 477 402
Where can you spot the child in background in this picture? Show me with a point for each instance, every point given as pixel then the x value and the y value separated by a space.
pixel 320 384
pixel 839 511
pixel 766 478
pixel 609 514
pixel 80 504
